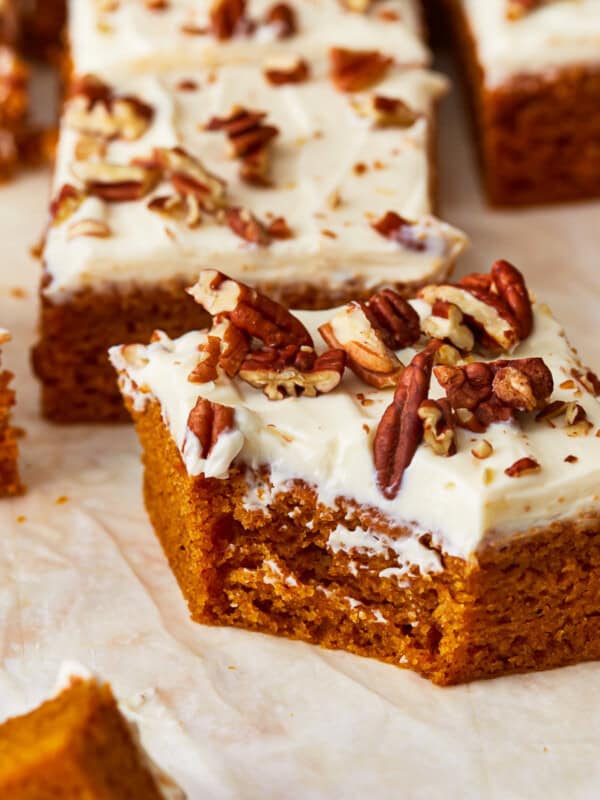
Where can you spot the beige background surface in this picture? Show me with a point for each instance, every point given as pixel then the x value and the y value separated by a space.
pixel 237 715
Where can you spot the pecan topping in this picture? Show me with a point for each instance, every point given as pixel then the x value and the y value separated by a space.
pixel 207 421
pixel 280 72
pixel 356 70
pixel 524 466
pixel 447 322
pixel 369 357
pixel 245 225
pixel 249 138
pixel 116 183
pixel 482 394
pixel 588 379
pixel 283 18
pixel 180 207
pixel 65 204
pixel 401 428
pixel 575 417
pixel 398 229
pixel 88 227
pixel 206 369
pixel 249 310
pixel 359 6
pixel 439 431
pixel 228 18
pixel 396 320
pixel 189 176
pixel 235 345
pixel 496 307
pixel 482 450
pixel 388 112
pixel 293 371
pixel 94 109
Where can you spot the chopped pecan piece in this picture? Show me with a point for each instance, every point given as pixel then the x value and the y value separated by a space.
pixel 65 204
pixel 228 18
pixel 369 357
pixel 249 138
pixel 357 70
pixel 575 417
pixel 189 176
pixel 482 450
pixel 206 369
pixel 400 430
pixel 207 421
pixel 245 225
pixel 447 322
pixel 293 371
pixel 181 207
pixel 588 379
pixel 439 431
pixel 388 112
pixel 279 229
pixel 281 72
pixel 235 345
pixel 88 227
pixel 249 310
pixel 116 183
pixel 484 393
pixel 398 229
pixel 283 18
pixel 524 466
pixel 94 109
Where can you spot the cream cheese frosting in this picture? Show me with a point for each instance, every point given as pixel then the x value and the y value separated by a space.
pixel 559 34
pixel 325 149
pixel 127 37
pixel 465 502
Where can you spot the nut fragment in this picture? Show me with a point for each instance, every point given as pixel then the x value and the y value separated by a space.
pixel 65 204
pixel 447 322
pixel 295 373
pixel 207 421
pixel 116 183
pixel 400 430
pixel 249 310
pixel 189 176
pixel 524 466
pixel 292 70
pixel 88 227
pixel 368 356
pixel 387 112
pixel 180 207
pixel 245 225
pixel 95 109
pixel 206 369
pixel 228 18
pixel 283 18
pixel 482 450
pixel 357 70
pixel 439 432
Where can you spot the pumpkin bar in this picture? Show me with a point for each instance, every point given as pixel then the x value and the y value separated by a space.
pixel 306 180
pixel 10 483
pixel 126 37
pixel 76 745
pixel 411 481
pixel 532 71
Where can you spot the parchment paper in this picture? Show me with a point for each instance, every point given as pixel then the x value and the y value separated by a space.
pixel 239 715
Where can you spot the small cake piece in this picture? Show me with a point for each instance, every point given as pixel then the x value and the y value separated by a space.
pixel 9 451
pixel 125 37
pixel 302 177
pixel 416 482
pixel 533 75
pixel 78 745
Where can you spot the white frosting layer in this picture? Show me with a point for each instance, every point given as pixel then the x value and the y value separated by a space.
pixel 560 34
pixel 327 442
pixel 321 140
pixel 133 39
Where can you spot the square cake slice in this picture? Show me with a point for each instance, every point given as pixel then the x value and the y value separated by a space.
pixel 307 180
pixel 78 745
pixel 412 481
pixel 533 76
pixel 10 483
pixel 129 37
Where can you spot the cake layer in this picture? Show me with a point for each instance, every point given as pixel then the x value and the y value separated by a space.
pixel 129 36
pixel 504 478
pixel 550 37
pixel 317 160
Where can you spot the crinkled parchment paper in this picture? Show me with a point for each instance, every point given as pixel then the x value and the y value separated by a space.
pixel 239 715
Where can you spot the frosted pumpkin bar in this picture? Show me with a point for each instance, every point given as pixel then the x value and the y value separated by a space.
pixel 296 178
pixel 412 481
pixel 75 745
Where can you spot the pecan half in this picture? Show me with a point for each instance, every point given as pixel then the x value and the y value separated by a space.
pixel 400 430
pixel 484 393
pixel 509 283
pixel 293 372
pixel 280 72
pixel 447 322
pixel 439 431
pixel 249 138
pixel 357 70
pixel 96 110
pixel 396 320
pixel 228 18
pixel 249 310
pixel 115 183
pixel 387 112
pixel 368 355
pixel 283 18
pixel 207 421
pixel 189 176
